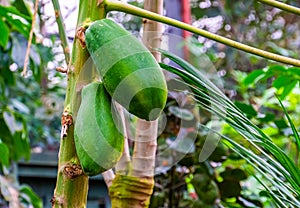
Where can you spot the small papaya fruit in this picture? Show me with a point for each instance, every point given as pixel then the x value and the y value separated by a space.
pixel 97 134
pixel 128 70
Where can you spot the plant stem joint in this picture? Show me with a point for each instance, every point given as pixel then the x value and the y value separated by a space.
pixel 56 14
pixel 72 171
pixel 99 2
pixel 66 122
pixel 56 200
pixel 62 69
pixel 80 35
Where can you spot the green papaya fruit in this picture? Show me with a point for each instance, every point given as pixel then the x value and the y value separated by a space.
pixel 128 70
pixel 98 131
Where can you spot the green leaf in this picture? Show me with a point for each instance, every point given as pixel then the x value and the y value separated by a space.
pixel 16 20
pixel 10 10
pixel 246 108
pixel 295 132
pixel 288 89
pixel 294 70
pixel 254 76
pixel 21 107
pixel 20 27
pixel 10 121
pixel 281 124
pixel 238 174
pixel 4 34
pixel 30 197
pixel 282 81
pixel 19 43
pixel 234 174
pixel 5 134
pixel 21 147
pixel 22 7
pixel 4 152
pixel 13 124
pixel 272 163
pixel 36 69
pixel 14 135
pixel 285 84
pixel 267 118
pixel 276 70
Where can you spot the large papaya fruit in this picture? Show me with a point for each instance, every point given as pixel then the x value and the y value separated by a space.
pixel 98 138
pixel 128 70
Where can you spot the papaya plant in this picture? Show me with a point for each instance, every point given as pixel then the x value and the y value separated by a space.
pixel 204 92
pixel 95 117
pixel 147 94
pixel 71 188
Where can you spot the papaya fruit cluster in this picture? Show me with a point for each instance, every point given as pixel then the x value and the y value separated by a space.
pixel 98 132
pixel 131 76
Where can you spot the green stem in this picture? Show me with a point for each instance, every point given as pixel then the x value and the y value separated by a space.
pixel 282 6
pixel 127 8
pixel 61 30
pixel 72 185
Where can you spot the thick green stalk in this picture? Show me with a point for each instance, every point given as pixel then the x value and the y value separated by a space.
pixel 282 6
pixel 72 185
pixel 123 7
pixel 61 30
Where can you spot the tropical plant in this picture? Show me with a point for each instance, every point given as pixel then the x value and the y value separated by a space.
pixel 274 165
pixel 132 183
pixel 272 160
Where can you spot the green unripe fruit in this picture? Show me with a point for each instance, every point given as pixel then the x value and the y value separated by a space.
pixel 128 70
pixel 99 143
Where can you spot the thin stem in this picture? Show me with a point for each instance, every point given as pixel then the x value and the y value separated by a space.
pixel 24 72
pixel 123 7
pixel 282 6
pixel 61 30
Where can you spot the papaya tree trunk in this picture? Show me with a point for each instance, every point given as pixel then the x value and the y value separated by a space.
pixel 146 131
pixel 144 153
pixel 72 184
pixel 134 189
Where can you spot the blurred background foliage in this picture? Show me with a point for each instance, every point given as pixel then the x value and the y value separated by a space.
pixel 31 107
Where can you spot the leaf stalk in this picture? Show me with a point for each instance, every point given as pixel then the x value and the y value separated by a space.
pixel 127 8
